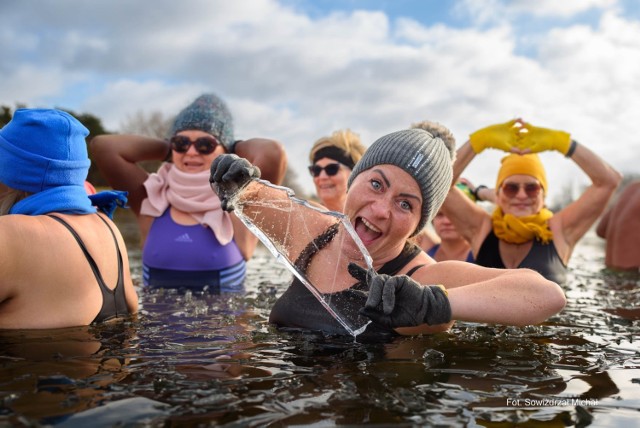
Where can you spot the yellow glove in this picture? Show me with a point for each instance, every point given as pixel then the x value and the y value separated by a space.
pixel 503 136
pixel 542 139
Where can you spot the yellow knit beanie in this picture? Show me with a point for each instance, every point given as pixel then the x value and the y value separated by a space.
pixel 528 164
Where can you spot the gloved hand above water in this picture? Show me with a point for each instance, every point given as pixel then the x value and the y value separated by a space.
pixel 229 174
pixel 538 139
pixel 399 301
pixel 503 136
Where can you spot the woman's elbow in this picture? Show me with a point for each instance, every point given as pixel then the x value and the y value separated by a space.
pixel 556 297
pixel 552 301
pixel 613 180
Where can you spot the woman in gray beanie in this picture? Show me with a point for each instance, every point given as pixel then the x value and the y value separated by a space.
pixel 187 240
pixel 394 190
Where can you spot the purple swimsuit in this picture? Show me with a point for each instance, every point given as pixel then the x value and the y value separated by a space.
pixel 176 256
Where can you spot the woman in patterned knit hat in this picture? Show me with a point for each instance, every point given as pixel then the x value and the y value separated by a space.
pixel 187 239
pixel 521 232
pixel 332 159
pixel 394 190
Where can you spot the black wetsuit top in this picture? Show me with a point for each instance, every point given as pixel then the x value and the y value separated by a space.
pixel 114 303
pixel 298 308
pixel 542 258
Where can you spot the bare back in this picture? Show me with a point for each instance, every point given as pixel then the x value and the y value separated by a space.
pixel 47 281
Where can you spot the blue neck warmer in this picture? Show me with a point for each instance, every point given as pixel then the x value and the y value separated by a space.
pixel 44 152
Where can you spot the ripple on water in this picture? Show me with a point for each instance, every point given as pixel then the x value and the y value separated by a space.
pixel 201 358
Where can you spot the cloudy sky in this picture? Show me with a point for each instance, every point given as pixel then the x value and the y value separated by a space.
pixel 295 70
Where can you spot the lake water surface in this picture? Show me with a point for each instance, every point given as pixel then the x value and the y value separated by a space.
pixel 213 360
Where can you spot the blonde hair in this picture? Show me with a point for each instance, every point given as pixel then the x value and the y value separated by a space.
pixel 9 198
pixel 345 140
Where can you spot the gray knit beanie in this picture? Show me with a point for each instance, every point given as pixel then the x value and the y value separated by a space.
pixel 210 114
pixel 426 158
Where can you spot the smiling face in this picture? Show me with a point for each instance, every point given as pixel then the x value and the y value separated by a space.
pixel 384 205
pixel 523 203
pixel 192 161
pixel 332 189
pixel 444 228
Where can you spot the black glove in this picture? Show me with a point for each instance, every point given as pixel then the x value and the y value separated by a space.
pixel 399 301
pixel 229 174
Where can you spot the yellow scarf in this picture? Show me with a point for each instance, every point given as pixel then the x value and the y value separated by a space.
pixel 518 230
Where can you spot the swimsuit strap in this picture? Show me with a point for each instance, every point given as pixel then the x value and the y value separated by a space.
pixel 120 265
pixel 413 270
pixel 117 294
pixel 92 263
pixel 409 252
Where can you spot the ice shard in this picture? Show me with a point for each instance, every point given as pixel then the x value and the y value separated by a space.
pixel 315 244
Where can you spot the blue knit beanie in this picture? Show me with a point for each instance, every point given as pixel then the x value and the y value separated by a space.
pixel 210 114
pixel 41 149
pixel 426 158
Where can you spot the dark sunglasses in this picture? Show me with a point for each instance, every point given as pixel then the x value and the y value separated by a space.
pixel 331 169
pixel 203 145
pixel 511 189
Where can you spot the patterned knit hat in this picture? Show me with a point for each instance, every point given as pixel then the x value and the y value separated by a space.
pixel 426 158
pixel 210 114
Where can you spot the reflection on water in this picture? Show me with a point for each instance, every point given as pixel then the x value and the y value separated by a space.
pixel 197 359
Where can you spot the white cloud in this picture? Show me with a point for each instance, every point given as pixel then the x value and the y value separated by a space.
pixel 293 78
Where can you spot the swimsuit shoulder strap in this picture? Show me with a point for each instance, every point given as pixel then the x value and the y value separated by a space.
pixel 117 295
pixel 87 255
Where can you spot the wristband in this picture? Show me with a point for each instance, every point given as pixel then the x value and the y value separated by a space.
pixel 572 148
pixel 476 190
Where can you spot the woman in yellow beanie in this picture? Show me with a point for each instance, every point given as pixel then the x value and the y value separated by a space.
pixel 522 232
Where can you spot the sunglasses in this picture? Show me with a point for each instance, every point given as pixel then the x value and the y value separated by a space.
pixel 203 145
pixel 511 189
pixel 331 169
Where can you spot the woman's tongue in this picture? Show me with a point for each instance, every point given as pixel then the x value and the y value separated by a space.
pixel 365 233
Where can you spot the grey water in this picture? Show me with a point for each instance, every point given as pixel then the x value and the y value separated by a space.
pixel 206 359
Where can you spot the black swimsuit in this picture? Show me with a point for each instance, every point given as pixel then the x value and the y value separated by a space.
pixel 298 308
pixel 542 258
pixel 114 303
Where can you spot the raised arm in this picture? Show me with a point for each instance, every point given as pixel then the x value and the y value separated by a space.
pixel 471 220
pixel 117 158
pixel 268 155
pixel 576 218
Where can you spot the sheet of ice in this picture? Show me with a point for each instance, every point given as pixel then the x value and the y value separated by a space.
pixel 315 244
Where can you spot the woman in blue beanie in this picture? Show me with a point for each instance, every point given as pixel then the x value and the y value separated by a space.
pixel 63 264
pixel 397 187
pixel 187 239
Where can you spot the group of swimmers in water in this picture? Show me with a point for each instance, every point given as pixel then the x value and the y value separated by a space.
pixel 501 267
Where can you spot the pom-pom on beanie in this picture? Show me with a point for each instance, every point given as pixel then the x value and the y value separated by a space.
pixel 426 158
pixel 210 114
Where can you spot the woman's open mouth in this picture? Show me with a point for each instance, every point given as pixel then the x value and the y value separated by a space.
pixel 366 231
